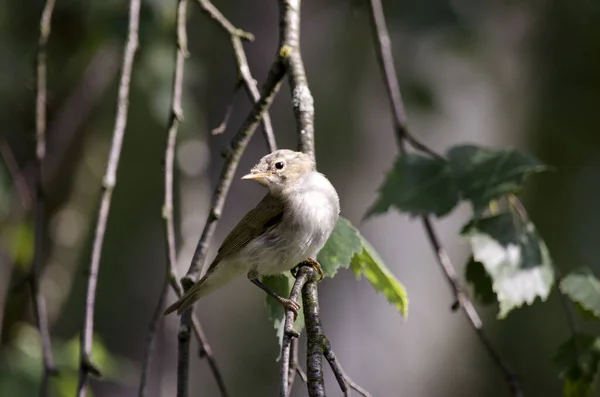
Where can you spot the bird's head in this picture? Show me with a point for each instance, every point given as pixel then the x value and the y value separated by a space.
pixel 281 169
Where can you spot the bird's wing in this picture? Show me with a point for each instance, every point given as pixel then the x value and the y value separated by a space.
pixel 257 221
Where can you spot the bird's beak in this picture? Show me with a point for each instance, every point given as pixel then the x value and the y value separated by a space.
pixel 257 176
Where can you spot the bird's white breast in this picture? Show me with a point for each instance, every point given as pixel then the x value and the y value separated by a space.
pixel 311 212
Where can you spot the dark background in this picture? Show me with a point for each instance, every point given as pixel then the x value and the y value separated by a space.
pixel 505 74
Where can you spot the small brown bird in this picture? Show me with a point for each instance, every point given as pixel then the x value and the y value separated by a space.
pixel 289 225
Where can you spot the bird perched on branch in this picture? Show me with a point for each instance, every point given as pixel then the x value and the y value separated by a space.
pixel 290 225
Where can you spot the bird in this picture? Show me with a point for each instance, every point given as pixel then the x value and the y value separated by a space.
pixel 288 226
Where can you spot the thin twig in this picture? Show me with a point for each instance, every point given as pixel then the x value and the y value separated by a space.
pixel 175 118
pixel 294 366
pixel 335 366
pixel 252 90
pixel 236 36
pixel 39 303
pixel 212 11
pixel 386 61
pixel 233 156
pixel 354 386
pixel 228 111
pixel 108 185
pixel 289 333
pixel 151 338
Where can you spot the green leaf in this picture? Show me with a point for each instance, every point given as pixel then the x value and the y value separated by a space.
pixel 483 175
pixel 578 359
pixel 418 185
pixel 281 284
pixel 584 289
pixel 514 256
pixel 339 249
pixel 368 263
pixel 481 281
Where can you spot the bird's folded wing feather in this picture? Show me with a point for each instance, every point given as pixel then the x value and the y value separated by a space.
pixel 257 221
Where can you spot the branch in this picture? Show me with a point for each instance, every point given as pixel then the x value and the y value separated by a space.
pixel 233 156
pixel 110 179
pixel 175 118
pixel 386 61
pixel 39 303
pixel 244 75
pixel 318 344
pixel 314 336
pixel 302 100
pixel 294 366
pixel 289 333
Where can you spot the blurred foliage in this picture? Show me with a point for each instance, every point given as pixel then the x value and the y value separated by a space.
pixel 21 365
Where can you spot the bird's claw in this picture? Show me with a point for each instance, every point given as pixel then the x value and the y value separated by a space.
pixel 315 265
pixel 289 304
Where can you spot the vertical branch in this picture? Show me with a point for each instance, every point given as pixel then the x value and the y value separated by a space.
pixel 302 99
pixel 233 156
pixel 175 118
pixel 86 365
pixel 386 61
pixel 39 303
pixel 315 337
pixel 304 111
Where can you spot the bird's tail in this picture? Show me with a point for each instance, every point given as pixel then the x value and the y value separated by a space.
pixel 216 277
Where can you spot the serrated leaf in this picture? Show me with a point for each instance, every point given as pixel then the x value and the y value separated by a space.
pixel 339 249
pixel 367 263
pixel 417 185
pixel 515 257
pixel 584 289
pixel 281 284
pixel 578 359
pixel 483 175
pixel 476 275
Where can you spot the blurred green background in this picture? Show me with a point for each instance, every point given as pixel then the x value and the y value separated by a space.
pixel 505 74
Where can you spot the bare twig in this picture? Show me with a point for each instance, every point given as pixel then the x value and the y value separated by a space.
pixel 39 303
pixel 294 366
pixel 386 61
pixel 233 156
pixel 108 185
pixel 223 126
pixel 354 386
pixel 175 117
pixel 212 11
pixel 244 75
pixel 289 333
pixel 252 90
pixel 151 338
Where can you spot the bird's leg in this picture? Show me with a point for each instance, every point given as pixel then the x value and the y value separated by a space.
pixel 287 304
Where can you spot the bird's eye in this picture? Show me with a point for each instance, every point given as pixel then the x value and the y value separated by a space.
pixel 279 165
